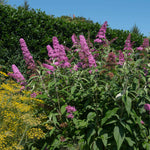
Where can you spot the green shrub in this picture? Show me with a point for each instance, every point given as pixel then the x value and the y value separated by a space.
pixel 37 29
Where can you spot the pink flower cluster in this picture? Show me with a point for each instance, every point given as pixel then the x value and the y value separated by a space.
pixel 33 95
pixel 128 45
pixel 75 40
pixel 147 107
pixel 70 110
pixel 58 54
pixel 51 68
pixel 16 74
pixel 26 55
pixel 121 58
pixel 144 45
pixel 85 53
pixel 101 34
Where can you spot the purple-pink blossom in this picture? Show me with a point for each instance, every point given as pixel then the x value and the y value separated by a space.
pixel 85 53
pixel 142 122
pixel 147 107
pixel 128 45
pixel 144 45
pixel 121 58
pixel 70 116
pixel 70 109
pixel 16 74
pixel 139 48
pixel 75 67
pixel 58 54
pixel 90 71
pixel 26 55
pixel 49 67
pixel 33 95
pixel 101 34
pixel 75 40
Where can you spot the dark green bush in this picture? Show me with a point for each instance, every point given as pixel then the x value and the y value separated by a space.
pixel 37 29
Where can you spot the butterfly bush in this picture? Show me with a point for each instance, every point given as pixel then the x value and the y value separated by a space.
pixel 85 53
pixel 128 45
pixel 26 55
pixel 16 74
pixel 51 68
pixel 111 60
pixel 58 54
pixel 101 34
pixel 144 45
pixel 121 58
pixel 75 40
pixel 147 107
pixel 70 110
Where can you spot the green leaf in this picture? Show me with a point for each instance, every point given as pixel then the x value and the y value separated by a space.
pixel 128 103
pixel 119 136
pixel 91 132
pixel 95 147
pixel 91 116
pixel 129 140
pixel 73 89
pixel 63 109
pixel 50 84
pixel 109 114
pixel 52 131
pixel 42 96
pixel 104 138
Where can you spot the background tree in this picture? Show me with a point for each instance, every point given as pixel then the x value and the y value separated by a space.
pixel 135 30
pixel 26 5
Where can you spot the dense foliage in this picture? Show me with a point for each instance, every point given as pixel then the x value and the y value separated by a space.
pixel 37 29
pixel 94 96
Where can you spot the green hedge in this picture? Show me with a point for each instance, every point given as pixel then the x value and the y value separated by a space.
pixel 37 29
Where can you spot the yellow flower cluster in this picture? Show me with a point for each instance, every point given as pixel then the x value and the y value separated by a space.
pixel 35 133
pixel 17 114
pixel 48 127
pixel 3 73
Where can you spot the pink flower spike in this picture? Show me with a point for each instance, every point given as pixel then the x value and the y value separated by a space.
pixel 56 63
pixel 101 33
pixel 16 74
pixel 48 67
pixel 142 122
pixel 74 40
pixel 27 56
pixel 128 45
pixel 140 48
pixel 147 107
pixel 146 43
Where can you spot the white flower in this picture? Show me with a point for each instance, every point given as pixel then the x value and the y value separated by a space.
pixel 118 95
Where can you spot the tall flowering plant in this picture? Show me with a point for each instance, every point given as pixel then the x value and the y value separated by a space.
pixel 85 53
pixel 100 37
pixel 27 56
pixel 128 44
pixel 144 45
pixel 58 54
pixel 17 74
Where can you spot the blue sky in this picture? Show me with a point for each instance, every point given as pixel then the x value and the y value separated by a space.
pixel 120 14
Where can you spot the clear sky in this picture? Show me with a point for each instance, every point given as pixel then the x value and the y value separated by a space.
pixel 120 14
